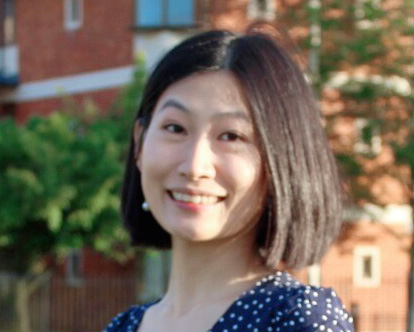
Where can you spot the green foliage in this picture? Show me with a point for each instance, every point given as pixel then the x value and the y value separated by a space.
pixel 366 47
pixel 349 165
pixel 131 96
pixel 405 152
pixel 60 181
pixel 370 130
pixel 365 54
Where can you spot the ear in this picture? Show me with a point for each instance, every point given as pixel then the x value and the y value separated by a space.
pixel 138 139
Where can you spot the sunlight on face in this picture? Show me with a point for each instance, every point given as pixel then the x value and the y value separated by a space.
pixel 202 173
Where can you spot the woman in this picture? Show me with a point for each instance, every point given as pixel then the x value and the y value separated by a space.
pixel 230 168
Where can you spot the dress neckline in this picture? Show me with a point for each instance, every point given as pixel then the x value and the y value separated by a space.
pixel 260 284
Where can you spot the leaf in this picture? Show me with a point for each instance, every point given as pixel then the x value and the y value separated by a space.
pixel 54 218
pixel 60 178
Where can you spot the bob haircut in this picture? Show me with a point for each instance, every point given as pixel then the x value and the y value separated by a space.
pixel 302 213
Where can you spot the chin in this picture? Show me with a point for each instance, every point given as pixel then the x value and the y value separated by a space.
pixel 196 235
pixel 194 229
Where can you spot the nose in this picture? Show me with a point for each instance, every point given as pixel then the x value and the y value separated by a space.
pixel 198 161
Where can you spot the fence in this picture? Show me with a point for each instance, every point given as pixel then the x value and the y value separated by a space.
pixel 8 317
pixel 55 305
pixel 59 306
pixel 376 309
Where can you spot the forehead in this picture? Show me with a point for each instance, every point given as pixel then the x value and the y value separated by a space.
pixel 216 91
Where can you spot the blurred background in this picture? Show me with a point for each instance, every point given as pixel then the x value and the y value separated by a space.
pixel 71 76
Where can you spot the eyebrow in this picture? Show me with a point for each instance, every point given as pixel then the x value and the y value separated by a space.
pixel 175 104
pixel 230 114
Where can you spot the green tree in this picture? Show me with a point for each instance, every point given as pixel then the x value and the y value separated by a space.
pixel 361 64
pixel 405 155
pixel 60 182
pixel 366 62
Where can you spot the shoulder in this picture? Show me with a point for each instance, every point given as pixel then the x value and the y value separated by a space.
pixel 300 307
pixel 127 319
pixel 316 309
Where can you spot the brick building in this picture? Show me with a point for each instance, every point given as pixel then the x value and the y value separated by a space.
pixel 85 49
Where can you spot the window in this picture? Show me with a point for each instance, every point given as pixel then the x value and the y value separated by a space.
pixel 9 52
pixel 367 272
pixel 8 22
pixel 74 267
pixel 164 13
pixel 73 14
pixel 261 10
pixel 367 267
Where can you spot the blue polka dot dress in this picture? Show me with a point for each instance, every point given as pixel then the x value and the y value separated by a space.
pixel 277 303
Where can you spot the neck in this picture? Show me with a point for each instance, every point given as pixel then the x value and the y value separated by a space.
pixel 210 272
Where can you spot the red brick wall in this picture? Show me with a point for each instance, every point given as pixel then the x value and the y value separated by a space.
pixel 91 305
pixel 47 50
pixel 229 14
pixel 95 265
pixel 102 99
pixel 383 307
pixel 107 287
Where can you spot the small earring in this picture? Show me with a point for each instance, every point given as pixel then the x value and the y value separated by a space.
pixel 145 206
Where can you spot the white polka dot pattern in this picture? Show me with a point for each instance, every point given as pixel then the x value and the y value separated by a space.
pixel 278 303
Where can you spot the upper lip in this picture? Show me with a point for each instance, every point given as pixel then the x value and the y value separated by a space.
pixel 192 191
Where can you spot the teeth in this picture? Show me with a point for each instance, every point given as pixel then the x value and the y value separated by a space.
pixel 196 199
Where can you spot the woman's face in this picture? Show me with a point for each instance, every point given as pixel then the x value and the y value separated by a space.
pixel 201 170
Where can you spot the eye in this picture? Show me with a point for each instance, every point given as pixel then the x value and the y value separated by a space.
pixel 174 128
pixel 231 137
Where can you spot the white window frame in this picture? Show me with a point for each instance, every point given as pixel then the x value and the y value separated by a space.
pixel 70 22
pixel 254 12
pixel 360 253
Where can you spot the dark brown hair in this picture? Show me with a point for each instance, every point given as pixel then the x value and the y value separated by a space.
pixel 303 208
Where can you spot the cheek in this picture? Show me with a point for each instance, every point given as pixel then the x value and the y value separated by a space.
pixel 151 165
pixel 244 174
pixel 153 152
pixel 249 188
pixel 156 162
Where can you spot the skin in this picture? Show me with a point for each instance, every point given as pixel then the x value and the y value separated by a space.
pixel 201 144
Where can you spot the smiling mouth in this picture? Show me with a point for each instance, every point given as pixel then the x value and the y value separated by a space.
pixel 194 199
